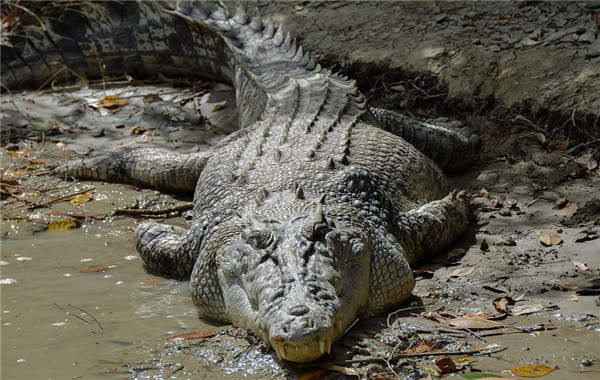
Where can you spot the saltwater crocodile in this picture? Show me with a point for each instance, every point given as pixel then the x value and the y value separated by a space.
pixel 307 218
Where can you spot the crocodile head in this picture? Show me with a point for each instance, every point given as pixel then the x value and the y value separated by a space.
pixel 296 273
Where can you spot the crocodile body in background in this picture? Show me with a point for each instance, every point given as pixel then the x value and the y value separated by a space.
pixel 308 217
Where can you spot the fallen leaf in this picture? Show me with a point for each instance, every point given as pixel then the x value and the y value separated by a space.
pixel 568 211
pixel 110 102
pixel 62 225
pixel 493 138
pixel 19 153
pixel 112 369
pixel 501 304
pixel 423 346
pixel 474 323
pixel 580 266
pixel 484 245
pixel 195 335
pixel 550 238
pixel 44 127
pixel 559 145
pixel 480 375
pixel 532 370
pixel 461 272
pixel 430 4
pixel 81 199
pixel 587 161
pixel 96 268
pixel 315 375
pixel 560 203
pixel 446 365
pixel 343 370
pixel 526 309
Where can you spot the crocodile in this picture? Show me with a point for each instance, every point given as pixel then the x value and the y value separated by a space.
pixel 306 219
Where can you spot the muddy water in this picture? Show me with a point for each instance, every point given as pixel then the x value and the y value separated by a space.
pixel 61 323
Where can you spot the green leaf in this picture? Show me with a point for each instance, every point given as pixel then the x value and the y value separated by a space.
pixel 475 375
pixel 44 127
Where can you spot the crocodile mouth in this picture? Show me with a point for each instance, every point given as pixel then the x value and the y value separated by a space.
pixel 306 349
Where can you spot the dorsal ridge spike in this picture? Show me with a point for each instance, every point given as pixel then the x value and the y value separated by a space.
pixel 330 163
pixel 264 192
pixel 298 192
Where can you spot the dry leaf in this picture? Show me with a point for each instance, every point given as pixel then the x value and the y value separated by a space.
pixel 587 161
pixel 343 370
pixel 62 225
pixel 550 238
pixel 558 145
pixel 501 304
pixel 560 203
pixel 195 335
pixel 314 375
pixel 423 346
pixel 81 199
pixel 484 245
pixel 526 309
pixel 580 266
pixel 19 153
pixel 532 371
pixel 430 4
pixel 474 323
pixel 460 272
pixel 568 211
pixel 112 369
pixel 493 138
pixel 110 102
pixel 96 268
pixel 446 365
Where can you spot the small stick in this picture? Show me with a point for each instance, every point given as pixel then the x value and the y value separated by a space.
pixel 131 211
pixel 95 320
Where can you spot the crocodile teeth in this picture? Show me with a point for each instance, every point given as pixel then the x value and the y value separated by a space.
pixel 325 346
pixel 265 337
pixel 338 328
pixel 281 352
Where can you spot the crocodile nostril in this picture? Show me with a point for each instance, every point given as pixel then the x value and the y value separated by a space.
pixel 299 310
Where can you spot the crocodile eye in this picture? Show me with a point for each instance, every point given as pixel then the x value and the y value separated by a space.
pixel 315 231
pixel 259 239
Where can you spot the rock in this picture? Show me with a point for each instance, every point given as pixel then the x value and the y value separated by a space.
pixel 587 37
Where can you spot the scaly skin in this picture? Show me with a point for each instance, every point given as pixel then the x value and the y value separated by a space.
pixel 306 220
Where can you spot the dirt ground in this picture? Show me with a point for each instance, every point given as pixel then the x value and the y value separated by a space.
pixel 521 287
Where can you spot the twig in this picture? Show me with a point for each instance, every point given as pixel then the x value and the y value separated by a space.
pixel 30 12
pixel 48 203
pixel 132 211
pixel 74 315
pixel 485 351
pixel 83 311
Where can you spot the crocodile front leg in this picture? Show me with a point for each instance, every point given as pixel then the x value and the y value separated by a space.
pixel 168 250
pixel 448 143
pixel 152 167
pixel 427 230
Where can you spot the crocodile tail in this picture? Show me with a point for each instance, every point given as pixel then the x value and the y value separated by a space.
pixel 141 39
pixel 110 39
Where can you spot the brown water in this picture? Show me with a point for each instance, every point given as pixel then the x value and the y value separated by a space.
pixel 61 323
